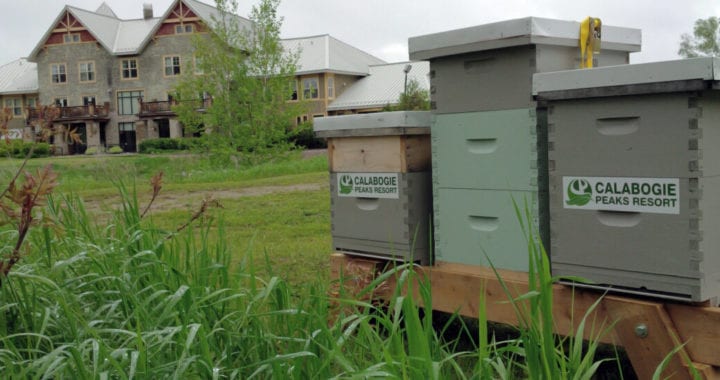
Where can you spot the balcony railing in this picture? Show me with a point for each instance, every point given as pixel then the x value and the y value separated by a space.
pixel 156 108
pixel 88 112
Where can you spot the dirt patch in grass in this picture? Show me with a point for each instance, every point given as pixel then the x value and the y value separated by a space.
pixel 170 200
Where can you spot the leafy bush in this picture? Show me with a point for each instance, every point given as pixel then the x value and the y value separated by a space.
pixel 165 144
pixel 21 149
pixel 115 150
pixel 303 136
pixel 91 151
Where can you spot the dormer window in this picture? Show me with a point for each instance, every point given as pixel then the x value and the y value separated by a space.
pixel 183 28
pixel 71 38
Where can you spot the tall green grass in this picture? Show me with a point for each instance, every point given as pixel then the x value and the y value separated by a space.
pixel 128 299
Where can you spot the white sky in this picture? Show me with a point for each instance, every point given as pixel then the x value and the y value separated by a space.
pixel 382 27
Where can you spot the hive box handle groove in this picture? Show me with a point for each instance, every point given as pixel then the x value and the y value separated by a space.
pixel 482 146
pixel 619 218
pixel 618 126
pixel 368 204
pixel 484 223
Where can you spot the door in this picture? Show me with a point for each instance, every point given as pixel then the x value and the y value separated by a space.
pixel 127 137
pixel 78 147
pixel 163 128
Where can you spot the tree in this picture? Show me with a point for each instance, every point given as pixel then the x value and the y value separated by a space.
pixel 249 76
pixel 413 99
pixel 704 41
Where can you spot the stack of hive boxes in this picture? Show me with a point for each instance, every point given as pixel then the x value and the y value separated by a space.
pixel 635 176
pixel 380 184
pixel 488 135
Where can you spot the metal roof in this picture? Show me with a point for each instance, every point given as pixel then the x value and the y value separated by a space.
pixel 383 86
pixel 105 9
pixel 523 31
pixel 325 53
pixel 18 77
pixel 129 37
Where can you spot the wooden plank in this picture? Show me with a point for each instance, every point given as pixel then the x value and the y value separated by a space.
pixel 418 153
pixel 367 154
pixel 707 372
pixel 646 352
pixel 460 288
pixel 378 154
pixel 699 329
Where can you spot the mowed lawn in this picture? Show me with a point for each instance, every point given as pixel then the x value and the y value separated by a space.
pixel 275 214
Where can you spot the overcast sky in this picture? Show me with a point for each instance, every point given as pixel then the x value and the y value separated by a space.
pixel 382 27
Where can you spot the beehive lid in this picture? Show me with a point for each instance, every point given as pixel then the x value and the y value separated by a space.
pixel 524 31
pixel 374 124
pixel 670 76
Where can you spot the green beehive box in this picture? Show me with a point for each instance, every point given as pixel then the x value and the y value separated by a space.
pixel 493 150
pixel 474 226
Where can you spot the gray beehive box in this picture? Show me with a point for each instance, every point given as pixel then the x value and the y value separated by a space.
pixel 634 157
pixel 380 184
pixel 490 67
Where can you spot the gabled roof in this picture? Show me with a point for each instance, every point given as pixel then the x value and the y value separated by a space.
pixel 383 86
pixel 129 37
pixel 325 53
pixel 105 9
pixel 18 77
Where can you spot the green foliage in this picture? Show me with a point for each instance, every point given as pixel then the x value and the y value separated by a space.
pixel 115 150
pixel 249 76
pixel 21 149
pixel 175 144
pixel 93 150
pixel 414 99
pixel 704 41
pixel 303 136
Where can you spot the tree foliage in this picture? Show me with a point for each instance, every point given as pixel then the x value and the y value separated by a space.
pixel 248 75
pixel 704 41
pixel 415 98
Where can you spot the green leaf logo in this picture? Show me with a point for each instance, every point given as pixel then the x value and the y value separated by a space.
pixel 579 192
pixel 346 184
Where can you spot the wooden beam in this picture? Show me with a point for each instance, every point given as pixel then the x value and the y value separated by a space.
pixel 648 335
pixel 460 288
pixel 699 329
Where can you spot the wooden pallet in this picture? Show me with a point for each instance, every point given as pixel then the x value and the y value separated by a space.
pixel 647 329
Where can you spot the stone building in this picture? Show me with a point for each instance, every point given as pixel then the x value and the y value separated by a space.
pixel 114 79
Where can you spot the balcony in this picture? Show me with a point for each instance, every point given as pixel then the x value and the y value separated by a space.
pixel 164 108
pixel 74 113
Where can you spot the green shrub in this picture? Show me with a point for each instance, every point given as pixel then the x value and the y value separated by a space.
pixel 115 150
pixel 165 144
pixel 91 151
pixel 303 136
pixel 21 149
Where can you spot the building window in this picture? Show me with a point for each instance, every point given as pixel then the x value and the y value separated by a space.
pixel 88 100
pixel 330 87
pixel 87 71
pixel 59 74
pixel 293 90
pixel 129 69
pixel 71 38
pixel 15 105
pixel 310 88
pixel 60 102
pixel 183 28
pixel 172 66
pixel 129 102
pixel 31 102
